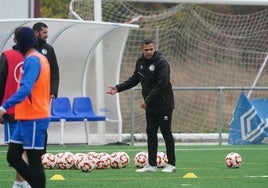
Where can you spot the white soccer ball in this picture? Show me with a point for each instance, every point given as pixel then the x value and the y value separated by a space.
pixel 58 156
pixel 48 160
pixel 105 158
pixel 124 158
pixel 119 159
pixel 85 164
pixel 77 158
pixel 99 163
pixel 102 160
pixel 233 160
pixel 141 159
pixel 94 156
pixel 65 160
pixel 115 160
pixel 161 159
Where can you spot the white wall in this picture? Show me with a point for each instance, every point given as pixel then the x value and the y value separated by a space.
pixel 15 9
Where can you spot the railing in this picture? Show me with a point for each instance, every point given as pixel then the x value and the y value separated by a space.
pixel 220 90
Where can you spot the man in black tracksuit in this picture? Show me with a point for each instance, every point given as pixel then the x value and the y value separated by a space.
pixel 153 72
pixel 41 33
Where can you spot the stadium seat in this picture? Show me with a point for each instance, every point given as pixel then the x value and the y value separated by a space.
pixel 61 111
pixel 82 107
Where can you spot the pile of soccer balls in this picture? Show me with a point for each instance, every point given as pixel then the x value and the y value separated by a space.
pixel 85 162
pixel 233 160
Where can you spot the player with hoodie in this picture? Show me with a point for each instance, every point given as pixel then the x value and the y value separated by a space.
pixel 32 110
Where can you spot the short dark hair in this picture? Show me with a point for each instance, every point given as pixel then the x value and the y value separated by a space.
pixel 147 41
pixel 38 26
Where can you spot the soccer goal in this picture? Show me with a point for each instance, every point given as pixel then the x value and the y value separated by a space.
pixel 208 44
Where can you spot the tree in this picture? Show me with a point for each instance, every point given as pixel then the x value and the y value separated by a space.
pixel 54 9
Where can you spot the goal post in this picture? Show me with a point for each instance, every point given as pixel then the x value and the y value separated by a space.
pixel 259 74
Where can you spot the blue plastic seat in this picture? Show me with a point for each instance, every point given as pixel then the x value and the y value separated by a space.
pixel 61 111
pixel 82 107
pixel 61 108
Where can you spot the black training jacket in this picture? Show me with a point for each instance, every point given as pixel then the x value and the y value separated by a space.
pixel 154 76
pixel 47 50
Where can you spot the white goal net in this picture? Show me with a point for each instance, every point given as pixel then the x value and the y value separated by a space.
pixel 205 46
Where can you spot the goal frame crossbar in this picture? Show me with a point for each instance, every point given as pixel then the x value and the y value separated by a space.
pixel 223 2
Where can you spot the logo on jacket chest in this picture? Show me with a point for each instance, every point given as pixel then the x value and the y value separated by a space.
pixel 44 51
pixel 151 68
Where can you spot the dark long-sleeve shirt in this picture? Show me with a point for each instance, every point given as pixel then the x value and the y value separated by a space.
pixel 154 76
pixel 47 50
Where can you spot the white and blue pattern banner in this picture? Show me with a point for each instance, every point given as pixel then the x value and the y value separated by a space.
pixel 250 121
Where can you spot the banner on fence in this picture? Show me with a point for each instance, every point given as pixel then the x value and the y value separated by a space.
pixel 250 121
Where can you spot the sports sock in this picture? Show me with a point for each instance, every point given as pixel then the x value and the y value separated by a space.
pixel 36 169
pixel 25 184
pixel 14 158
pixel 17 184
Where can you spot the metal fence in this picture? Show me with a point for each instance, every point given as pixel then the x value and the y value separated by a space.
pixel 220 90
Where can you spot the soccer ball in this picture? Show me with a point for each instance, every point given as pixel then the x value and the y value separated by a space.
pixel 105 158
pixel 124 158
pixel 85 164
pixel 100 159
pixel 119 159
pixel 161 159
pixel 115 160
pixel 94 156
pixel 77 158
pixel 233 160
pixel 141 159
pixel 65 160
pixel 57 158
pixel 48 160
pixel 99 162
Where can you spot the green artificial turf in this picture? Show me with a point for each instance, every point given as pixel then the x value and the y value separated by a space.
pixel 204 162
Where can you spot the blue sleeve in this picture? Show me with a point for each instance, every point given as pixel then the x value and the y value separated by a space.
pixel 31 70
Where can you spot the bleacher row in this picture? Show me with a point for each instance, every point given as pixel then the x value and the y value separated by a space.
pixel 81 109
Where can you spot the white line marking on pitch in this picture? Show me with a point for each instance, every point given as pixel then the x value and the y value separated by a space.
pixel 263 176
